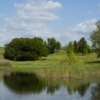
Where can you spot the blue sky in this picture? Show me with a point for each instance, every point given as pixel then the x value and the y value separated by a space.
pixel 76 11
pixel 66 20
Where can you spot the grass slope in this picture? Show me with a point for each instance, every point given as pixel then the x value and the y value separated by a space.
pixel 1 53
pixel 58 65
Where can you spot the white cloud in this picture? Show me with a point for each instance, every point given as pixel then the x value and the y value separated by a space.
pixel 52 5
pixel 40 10
pixel 86 26
pixel 82 29
pixel 30 20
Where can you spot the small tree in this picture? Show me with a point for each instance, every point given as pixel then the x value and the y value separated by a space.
pixel 95 38
pixel 70 48
pixel 70 52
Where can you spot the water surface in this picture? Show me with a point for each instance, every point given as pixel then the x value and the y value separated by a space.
pixel 27 86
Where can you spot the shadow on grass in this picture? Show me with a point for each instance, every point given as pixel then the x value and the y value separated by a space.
pixel 93 62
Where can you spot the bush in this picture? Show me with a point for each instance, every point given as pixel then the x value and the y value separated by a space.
pixel 70 53
pixel 24 49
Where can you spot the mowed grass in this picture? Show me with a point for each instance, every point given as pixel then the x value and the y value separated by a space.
pixel 58 65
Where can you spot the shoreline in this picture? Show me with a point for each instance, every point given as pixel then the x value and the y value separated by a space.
pixel 53 72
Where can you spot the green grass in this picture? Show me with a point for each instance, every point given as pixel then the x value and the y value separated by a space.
pixel 3 62
pixel 1 53
pixel 57 65
pixel 51 60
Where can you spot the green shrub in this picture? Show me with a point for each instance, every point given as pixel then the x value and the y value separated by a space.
pixel 24 49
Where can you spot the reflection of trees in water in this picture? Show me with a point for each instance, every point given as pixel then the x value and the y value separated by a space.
pixel 81 88
pixel 24 83
pixel 96 92
pixel 71 85
pixel 52 88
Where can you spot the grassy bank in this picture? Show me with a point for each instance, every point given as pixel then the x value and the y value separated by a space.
pixel 56 65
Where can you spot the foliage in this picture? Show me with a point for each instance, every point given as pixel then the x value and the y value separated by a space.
pixel 70 53
pixel 53 45
pixel 75 45
pixel 79 47
pixel 95 38
pixel 22 49
pixel 70 48
pixel 58 45
pixel 83 47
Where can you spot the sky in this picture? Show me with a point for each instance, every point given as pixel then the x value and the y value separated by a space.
pixel 66 20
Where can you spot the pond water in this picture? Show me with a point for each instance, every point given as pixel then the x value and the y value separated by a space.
pixel 27 86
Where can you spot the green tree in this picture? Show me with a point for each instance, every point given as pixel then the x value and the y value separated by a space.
pixel 43 48
pixel 75 45
pixel 22 49
pixel 82 46
pixel 53 45
pixel 70 48
pixel 58 45
pixel 95 38
pixel 39 39
pixel 70 53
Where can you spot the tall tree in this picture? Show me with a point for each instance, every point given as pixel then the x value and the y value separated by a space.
pixel 53 45
pixel 82 46
pixel 95 38
pixel 58 45
pixel 75 45
pixel 39 39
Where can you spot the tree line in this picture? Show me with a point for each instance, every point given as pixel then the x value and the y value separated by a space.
pixel 82 47
pixel 79 47
pixel 22 49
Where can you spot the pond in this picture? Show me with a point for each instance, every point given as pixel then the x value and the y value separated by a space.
pixel 27 86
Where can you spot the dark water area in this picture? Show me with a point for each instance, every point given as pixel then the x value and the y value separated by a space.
pixel 27 86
